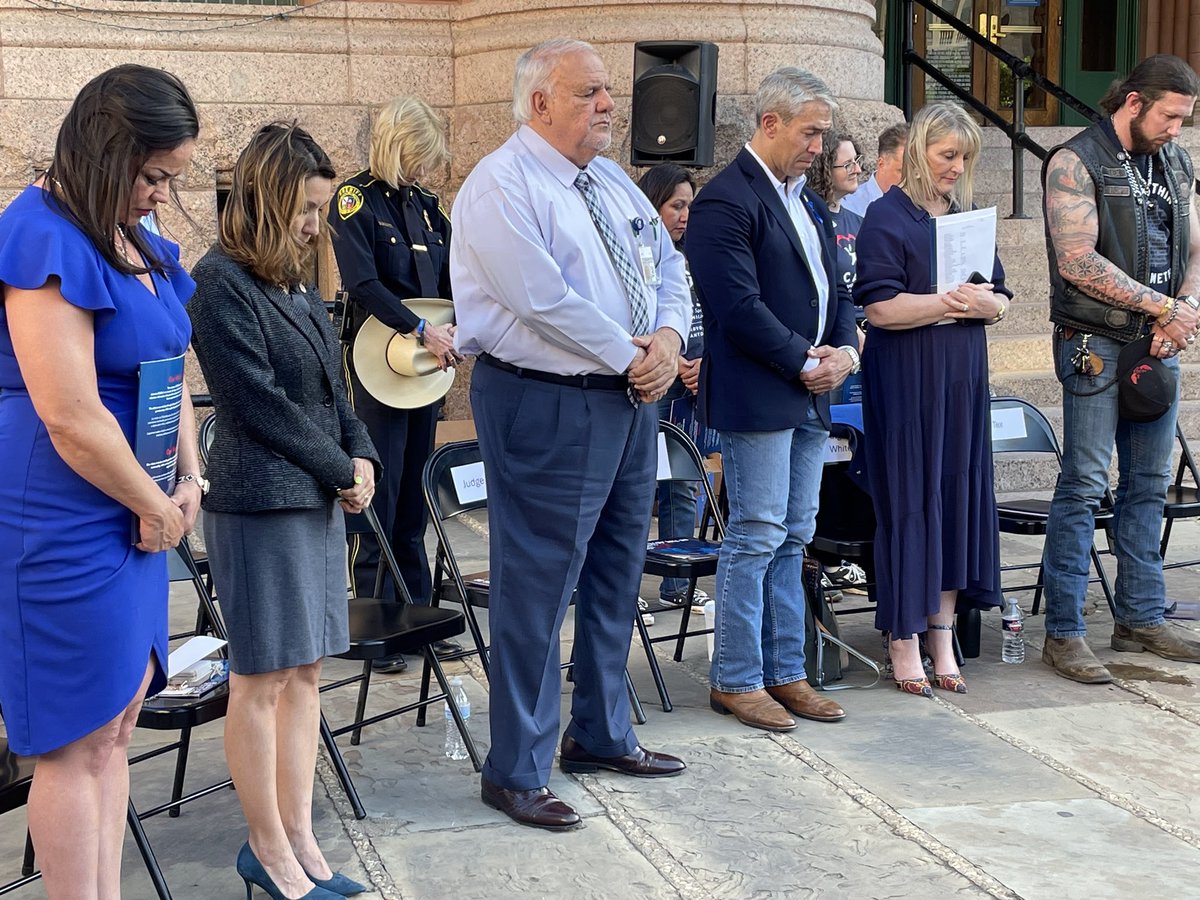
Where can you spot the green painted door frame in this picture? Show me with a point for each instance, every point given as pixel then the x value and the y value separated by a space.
pixel 1099 44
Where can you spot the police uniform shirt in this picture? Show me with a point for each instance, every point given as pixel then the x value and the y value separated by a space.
pixel 375 252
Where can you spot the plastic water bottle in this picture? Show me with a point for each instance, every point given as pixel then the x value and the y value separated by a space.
pixel 1014 636
pixel 455 748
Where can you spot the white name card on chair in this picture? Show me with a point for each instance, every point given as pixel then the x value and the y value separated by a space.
pixel 664 460
pixel 470 484
pixel 837 450
pixel 1008 424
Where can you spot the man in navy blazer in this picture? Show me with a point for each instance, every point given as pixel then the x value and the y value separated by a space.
pixel 778 340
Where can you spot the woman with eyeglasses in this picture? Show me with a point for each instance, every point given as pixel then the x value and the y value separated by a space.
pixel 834 175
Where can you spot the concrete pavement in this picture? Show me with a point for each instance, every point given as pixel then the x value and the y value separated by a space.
pixel 1029 786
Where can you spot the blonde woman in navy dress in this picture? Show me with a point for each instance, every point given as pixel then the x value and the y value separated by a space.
pixel 89 294
pixel 926 407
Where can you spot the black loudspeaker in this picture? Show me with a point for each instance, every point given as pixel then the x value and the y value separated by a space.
pixel 674 116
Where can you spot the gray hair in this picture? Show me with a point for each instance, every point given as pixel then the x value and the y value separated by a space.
pixel 786 90
pixel 535 68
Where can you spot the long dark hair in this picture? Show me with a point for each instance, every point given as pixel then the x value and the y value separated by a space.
pixel 1151 78
pixel 118 119
pixel 660 182
pixel 266 196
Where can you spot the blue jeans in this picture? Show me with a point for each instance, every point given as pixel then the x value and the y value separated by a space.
pixel 676 501
pixel 1091 428
pixel 774 481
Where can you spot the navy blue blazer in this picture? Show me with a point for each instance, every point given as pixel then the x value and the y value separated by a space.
pixel 759 301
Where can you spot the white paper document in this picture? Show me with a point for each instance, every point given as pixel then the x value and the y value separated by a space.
pixel 192 652
pixel 470 484
pixel 963 243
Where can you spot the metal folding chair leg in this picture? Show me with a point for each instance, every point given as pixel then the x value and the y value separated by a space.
pixel 655 671
pixel 339 768
pixel 151 861
pixel 431 661
pixel 635 702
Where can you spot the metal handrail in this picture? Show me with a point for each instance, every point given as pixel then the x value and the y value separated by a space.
pixel 1022 72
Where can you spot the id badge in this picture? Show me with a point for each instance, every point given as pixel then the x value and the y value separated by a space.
pixel 650 273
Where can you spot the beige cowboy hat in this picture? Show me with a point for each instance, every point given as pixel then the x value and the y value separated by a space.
pixel 393 368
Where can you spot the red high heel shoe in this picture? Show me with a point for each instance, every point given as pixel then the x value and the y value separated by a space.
pixel 954 683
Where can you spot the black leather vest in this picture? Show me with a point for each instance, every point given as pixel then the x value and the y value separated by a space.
pixel 1122 233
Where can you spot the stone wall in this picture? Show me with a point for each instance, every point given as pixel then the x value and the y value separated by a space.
pixel 328 64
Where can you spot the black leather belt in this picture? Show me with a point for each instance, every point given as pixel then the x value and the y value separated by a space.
pixel 587 382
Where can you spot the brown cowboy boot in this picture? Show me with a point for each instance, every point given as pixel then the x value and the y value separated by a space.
pixel 1073 658
pixel 1161 639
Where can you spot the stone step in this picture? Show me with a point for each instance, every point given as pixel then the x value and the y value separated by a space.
pixel 1042 388
pixel 1019 353
pixel 1027 319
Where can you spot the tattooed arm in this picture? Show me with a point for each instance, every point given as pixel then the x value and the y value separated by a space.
pixel 1074 229
pixel 1191 277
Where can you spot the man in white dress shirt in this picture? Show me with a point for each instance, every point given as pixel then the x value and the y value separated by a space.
pixel 575 302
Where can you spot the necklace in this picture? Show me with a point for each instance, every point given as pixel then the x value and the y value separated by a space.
pixel 1142 189
pixel 123 249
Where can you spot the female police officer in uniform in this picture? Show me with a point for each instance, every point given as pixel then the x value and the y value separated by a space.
pixel 392 242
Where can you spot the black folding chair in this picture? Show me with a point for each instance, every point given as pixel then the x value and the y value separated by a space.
pixel 686 465
pixel 442 496
pixel 1183 499
pixel 1030 515
pixel 845 530
pixel 160 714
pixel 378 628
pixel 16 775
pixel 446 503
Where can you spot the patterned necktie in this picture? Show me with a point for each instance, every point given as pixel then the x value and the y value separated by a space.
pixel 631 280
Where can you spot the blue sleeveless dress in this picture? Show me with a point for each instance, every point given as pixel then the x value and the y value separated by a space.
pixel 81 609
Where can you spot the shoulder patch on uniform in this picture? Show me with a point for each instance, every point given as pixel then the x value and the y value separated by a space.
pixel 349 201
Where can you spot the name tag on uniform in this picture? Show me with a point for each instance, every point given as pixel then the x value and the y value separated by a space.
pixel 650 273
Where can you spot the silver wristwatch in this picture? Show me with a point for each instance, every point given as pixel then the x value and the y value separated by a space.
pixel 200 480
pixel 1191 301
pixel 855 359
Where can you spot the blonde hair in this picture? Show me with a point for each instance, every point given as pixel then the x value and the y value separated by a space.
pixel 408 141
pixel 267 195
pixel 932 124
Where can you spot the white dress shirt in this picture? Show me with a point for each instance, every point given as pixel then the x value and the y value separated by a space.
pixel 533 282
pixel 868 192
pixel 791 193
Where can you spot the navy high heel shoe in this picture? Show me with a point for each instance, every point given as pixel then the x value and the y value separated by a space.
pixel 339 884
pixel 253 873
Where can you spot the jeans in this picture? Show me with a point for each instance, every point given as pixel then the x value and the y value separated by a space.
pixel 773 480
pixel 676 501
pixel 1091 428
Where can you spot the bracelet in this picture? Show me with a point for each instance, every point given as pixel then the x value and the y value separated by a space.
pixel 1000 314
pixel 421 333
pixel 1170 310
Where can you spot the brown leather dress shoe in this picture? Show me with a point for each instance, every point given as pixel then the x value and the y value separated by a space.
pixel 753 708
pixel 538 808
pixel 641 763
pixel 799 698
pixel 1072 658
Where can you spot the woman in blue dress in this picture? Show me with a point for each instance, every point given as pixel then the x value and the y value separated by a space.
pixel 926 407
pixel 88 295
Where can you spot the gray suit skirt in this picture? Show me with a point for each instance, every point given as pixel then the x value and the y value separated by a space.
pixel 280 578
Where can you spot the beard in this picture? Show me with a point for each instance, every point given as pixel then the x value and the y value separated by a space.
pixel 1142 142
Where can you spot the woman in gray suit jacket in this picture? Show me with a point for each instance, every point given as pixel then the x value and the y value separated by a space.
pixel 288 452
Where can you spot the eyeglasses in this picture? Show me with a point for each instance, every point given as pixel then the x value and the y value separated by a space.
pixel 856 163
